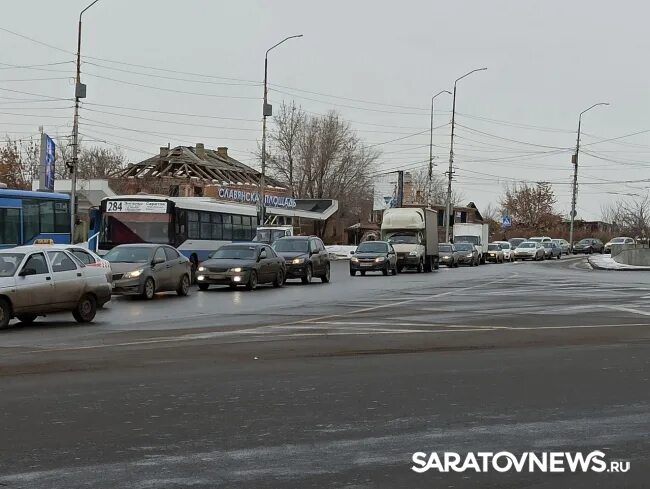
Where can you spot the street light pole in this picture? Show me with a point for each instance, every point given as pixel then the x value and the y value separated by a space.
pixel 575 173
pixel 79 93
pixel 267 110
pixel 431 140
pixel 450 173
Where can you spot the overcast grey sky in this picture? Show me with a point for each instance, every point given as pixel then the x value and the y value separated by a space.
pixel 547 61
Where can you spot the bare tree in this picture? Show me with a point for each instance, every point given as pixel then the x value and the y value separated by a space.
pixel 531 205
pixel 19 160
pixel 433 192
pixel 629 216
pixel 94 161
pixel 322 157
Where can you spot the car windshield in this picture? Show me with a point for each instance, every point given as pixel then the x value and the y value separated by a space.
pixel 466 239
pixel 234 253
pixel 9 263
pixel 444 248
pixel 129 254
pixel 269 235
pixel 584 241
pixel 372 247
pixel 291 245
pixel 618 240
pixel 527 244
pixel 505 246
pixel 403 238
pixel 516 241
pixel 493 247
pixel 548 245
pixel 464 247
pixel 536 240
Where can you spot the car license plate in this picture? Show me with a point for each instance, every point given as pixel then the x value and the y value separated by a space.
pixel 366 264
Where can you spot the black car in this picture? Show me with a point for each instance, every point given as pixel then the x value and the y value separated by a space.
pixel 305 257
pixel 588 246
pixel 374 256
pixel 247 264
pixel 448 254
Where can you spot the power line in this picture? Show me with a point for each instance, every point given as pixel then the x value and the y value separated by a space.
pixel 153 111
pixel 507 139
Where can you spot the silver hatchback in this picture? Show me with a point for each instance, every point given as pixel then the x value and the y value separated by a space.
pixel 35 282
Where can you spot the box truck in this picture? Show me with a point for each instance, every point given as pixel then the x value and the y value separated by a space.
pixel 413 232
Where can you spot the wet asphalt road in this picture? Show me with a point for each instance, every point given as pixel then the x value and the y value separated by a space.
pixel 335 385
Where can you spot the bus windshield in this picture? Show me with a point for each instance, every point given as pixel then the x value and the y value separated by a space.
pixel 135 227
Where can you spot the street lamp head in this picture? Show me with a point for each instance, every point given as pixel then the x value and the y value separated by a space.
pixel 283 40
pixel 440 93
pixel 595 105
pixel 469 73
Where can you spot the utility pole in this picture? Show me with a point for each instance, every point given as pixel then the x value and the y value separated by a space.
pixel 450 172
pixel 79 93
pixel 431 141
pixel 267 110
pixel 400 188
pixel 574 160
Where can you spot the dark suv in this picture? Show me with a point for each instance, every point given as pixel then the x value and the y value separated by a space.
pixel 305 257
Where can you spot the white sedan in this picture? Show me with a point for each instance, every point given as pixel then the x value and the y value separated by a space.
pixel 84 255
pixel 508 252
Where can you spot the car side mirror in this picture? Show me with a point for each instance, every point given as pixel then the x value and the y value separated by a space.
pixel 27 271
pixel 157 261
pixel 262 256
pixel 352 252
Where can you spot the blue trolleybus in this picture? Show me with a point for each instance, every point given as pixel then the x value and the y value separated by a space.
pixel 26 216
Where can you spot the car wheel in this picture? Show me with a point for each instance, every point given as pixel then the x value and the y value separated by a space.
pixel 400 269
pixel 5 313
pixel 308 275
pixel 252 281
pixel 363 273
pixel 326 278
pixel 279 279
pixel 26 318
pixel 149 289
pixel 352 273
pixel 204 286
pixel 450 265
pixel 86 309
pixel 559 257
pixel 183 286
pixel 420 267
pixel 394 270
pixel 456 265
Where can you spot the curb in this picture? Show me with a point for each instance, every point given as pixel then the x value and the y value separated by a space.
pixel 630 269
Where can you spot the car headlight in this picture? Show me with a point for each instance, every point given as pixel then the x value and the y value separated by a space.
pixel 413 253
pixel 134 273
pixel 201 269
pixel 298 261
pixel 469 255
pixel 379 259
pixel 235 270
pixel 354 259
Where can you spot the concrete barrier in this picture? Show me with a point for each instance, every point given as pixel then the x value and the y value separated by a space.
pixel 631 255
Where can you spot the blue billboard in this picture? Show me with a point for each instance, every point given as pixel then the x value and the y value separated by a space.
pixel 48 156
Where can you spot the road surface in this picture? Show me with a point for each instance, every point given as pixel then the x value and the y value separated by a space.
pixel 335 385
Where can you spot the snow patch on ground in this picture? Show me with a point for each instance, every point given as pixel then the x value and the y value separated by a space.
pixel 606 262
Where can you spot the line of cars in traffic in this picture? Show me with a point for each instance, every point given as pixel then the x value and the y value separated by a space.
pixel 45 278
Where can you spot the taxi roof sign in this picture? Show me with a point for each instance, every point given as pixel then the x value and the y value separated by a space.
pixel 44 241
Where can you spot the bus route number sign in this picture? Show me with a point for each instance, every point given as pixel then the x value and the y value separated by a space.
pixel 136 206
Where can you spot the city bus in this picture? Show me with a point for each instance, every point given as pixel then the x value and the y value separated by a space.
pixel 27 216
pixel 196 226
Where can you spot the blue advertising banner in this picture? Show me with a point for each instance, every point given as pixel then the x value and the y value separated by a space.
pixel 48 156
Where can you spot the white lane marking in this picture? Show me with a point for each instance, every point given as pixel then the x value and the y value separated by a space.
pixel 629 309
pixel 406 301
